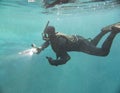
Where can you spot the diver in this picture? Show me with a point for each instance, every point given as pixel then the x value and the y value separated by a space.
pixel 62 43
pixel 51 3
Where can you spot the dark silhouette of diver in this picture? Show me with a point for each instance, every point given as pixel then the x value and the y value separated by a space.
pixel 62 43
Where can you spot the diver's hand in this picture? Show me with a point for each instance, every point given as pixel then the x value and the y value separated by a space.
pixel 52 62
pixel 38 50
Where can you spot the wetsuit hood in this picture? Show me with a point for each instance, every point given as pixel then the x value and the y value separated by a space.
pixel 50 30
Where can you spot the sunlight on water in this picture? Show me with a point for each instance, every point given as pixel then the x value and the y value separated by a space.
pixel 81 7
pixel 21 24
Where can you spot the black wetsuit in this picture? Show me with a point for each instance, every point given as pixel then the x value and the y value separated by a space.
pixel 61 44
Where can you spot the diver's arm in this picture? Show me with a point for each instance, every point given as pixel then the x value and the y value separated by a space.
pixel 60 61
pixel 42 47
pixel 62 57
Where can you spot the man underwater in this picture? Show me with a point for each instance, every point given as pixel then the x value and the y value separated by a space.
pixel 62 43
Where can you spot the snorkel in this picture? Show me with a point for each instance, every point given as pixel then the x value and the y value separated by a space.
pixel 44 35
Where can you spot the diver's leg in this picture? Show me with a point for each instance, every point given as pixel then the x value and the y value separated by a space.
pixel 104 30
pixel 108 42
pixel 105 49
pixel 96 40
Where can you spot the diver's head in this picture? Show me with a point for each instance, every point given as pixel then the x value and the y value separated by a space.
pixel 49 33
pixel 50 30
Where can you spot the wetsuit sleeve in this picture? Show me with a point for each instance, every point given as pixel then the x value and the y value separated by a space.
pixel 45 45
pixel 59 61
pixel 62 56
pixel 42 47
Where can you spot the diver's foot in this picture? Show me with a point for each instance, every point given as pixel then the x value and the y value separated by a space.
pixel 116 28
pixel 110 27
pixel 107 29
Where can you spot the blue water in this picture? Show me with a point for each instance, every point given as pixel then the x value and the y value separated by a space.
pixel 21 24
